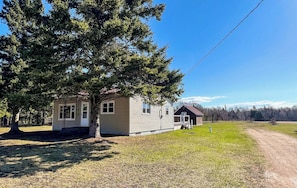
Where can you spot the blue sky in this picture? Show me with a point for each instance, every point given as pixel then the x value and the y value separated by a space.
pixel 256 65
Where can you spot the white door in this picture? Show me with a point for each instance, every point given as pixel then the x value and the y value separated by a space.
pixel 85 115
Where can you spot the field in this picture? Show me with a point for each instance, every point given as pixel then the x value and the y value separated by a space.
pixel 227 157
pixel 282 127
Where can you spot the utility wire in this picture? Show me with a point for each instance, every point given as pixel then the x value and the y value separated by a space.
pixel 222 40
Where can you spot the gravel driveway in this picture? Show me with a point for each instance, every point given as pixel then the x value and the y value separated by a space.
pixel 280 152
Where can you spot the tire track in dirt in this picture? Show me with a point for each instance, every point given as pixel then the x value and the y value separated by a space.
pixel 280 152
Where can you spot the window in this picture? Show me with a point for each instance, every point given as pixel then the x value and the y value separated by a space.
pixel 107 107
pixel 85 111
pixel 146 108
pixel 167 110
pixel 67 111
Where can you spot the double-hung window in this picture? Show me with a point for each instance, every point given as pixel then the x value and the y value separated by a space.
pixel 107 107
pixel 67 111
pixel 146 108
pixel 167 110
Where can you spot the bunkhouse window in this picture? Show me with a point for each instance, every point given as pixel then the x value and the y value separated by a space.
pixel 67 111
pixel 146 108
pixel 107 107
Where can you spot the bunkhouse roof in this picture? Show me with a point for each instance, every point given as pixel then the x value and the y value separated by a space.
pixel 192 109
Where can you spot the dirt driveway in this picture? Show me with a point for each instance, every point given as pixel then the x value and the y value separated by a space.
pixel 280 152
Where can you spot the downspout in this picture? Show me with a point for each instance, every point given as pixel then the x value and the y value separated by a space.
pixel 161 116
pixel 64 120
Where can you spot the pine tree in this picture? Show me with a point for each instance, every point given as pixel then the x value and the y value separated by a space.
pixel 118 53
pixel 27 57
pixel 14 84
pixel 93 46
pixel 51 52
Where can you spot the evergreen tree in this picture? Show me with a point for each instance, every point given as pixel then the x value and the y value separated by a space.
pixel 93 46
pixel 14 84
pixel 3 108
pixel 30 56
pixel 118 54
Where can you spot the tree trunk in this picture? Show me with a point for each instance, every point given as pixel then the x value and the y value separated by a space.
pixel 38 118
pixel 14 127
pixel 94 130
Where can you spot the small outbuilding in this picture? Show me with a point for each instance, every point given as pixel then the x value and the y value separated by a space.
pixel 196 117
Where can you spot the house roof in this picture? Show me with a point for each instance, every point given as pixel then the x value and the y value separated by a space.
pixel 193 110
pixel 85 94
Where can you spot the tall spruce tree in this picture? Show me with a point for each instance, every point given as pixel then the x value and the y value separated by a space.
pixel 14 83
pixel 97 46
pixel 52 49
pixel 35 55
pixel 118 53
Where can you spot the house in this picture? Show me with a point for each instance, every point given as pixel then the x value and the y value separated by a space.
pixel 195 116
pixel 118 116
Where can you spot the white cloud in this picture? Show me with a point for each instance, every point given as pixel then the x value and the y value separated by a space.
pixel 261 104
pixel 249 105
pixel 199 99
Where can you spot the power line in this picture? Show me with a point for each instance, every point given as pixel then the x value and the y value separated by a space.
pixel 223 39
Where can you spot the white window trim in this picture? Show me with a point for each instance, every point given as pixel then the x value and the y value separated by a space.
pixel 68 104
pixel 83 111
pixel 108 103
pixel 146 109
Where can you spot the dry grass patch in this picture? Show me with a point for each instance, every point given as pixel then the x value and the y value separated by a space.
pixel 183 158
pixel 289 128
pixel 28 128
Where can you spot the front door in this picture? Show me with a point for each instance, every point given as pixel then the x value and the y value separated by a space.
pixel 85 114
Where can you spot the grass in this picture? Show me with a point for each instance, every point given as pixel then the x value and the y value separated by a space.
pixel 289 128
pixel 28 129
pixel 227 157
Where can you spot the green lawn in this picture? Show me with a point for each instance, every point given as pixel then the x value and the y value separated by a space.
pixel 28 129
pixel 227 157
pixel 289 128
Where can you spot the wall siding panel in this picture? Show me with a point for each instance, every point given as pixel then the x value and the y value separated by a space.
pixel 128 118
pixel 117 123
pixel 156 121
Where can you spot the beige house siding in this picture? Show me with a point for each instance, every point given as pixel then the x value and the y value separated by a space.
pixel 156 121
pixel 127 119
pixel 117 123
pixel 168 119
pixel 58 124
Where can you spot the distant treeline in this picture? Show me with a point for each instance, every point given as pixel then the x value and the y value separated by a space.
pixel 254 114
pixel 30 117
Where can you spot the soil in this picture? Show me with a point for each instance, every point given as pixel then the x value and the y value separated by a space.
pixel 280 151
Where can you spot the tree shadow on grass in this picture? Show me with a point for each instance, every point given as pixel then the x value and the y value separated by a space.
pixel 27 159
pixel 43 136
